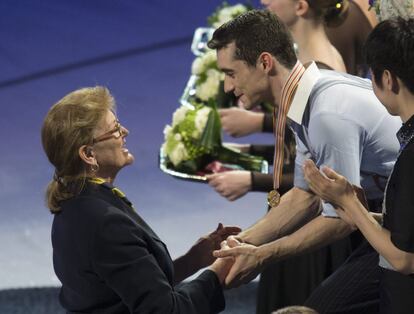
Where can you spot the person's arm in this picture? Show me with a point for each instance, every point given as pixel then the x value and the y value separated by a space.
pixel 338 190
pixel 295 209
pixel 136 270
pixel 337 142
pixel 250 259
pixel 231 184
pixel 267 123
pixel 240 122
pixel 265 151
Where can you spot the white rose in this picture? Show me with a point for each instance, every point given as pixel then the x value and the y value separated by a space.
pixel 178 154
pixel 167 131
pixel 207 89
pixel 179 115
pixel 237 9
pixel 214 74
pixel 228 13
pixel 210 57
pixel 201 119
pixel 197 66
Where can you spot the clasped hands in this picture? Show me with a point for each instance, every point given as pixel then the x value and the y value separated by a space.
pixel 246 259
pixel 233 261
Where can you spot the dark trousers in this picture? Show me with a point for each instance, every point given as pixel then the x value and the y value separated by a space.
pixel 353 288
pixel 396 292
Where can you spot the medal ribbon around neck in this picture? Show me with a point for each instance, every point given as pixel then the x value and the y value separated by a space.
pixel 279 124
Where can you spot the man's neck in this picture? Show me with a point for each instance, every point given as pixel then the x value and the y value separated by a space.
pixel 278 83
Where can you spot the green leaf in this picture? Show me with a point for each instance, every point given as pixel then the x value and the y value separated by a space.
pixel 246 161
pixel 211 137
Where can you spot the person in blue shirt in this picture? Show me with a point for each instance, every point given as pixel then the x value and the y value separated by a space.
pixel 337 121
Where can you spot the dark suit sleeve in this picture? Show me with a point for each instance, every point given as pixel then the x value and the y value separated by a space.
pixel 261 182
pixel 265 151
pixel 268 123
pixel 123 259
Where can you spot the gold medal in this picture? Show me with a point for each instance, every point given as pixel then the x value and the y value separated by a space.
pixel 273 198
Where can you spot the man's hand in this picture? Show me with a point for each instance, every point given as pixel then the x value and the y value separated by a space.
pixel 239 122
pixel 231 184
pixel 222 266
pixel 201 253
pixel 248 262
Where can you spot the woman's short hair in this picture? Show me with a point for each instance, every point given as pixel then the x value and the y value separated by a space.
pixel 68 125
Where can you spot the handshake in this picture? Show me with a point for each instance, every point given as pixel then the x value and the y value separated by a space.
pixel 234 262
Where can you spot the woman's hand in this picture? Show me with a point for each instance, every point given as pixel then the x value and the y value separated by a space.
pixel 201 253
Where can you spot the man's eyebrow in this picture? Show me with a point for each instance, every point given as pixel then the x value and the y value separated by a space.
pixel 226 70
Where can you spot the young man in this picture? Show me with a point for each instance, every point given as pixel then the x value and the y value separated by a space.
pixel 390 51
pixel 337 121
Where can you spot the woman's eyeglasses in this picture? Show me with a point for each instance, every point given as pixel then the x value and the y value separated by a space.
pixel 116 132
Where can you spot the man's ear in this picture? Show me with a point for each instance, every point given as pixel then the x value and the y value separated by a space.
pixel 390 81
pixel 87 155
pixel 302 8
pixel 266 62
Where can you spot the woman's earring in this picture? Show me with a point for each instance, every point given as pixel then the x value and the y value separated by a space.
pixel 95 168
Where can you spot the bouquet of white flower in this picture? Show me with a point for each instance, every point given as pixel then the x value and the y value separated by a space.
pixel 208 76
pixel 225 13
pixel 206 81
pixel 194 140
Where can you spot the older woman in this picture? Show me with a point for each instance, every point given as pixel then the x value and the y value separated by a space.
pixel 107 258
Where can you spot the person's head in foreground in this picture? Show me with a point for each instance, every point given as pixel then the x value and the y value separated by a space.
pixel 389 52
pixel 255 52
pixel 83 138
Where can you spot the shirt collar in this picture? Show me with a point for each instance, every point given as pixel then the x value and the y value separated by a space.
pixel 305 86
pixel 406 132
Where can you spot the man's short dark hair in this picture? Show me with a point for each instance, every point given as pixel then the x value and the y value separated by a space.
pixel 390 46
pixel 255 32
